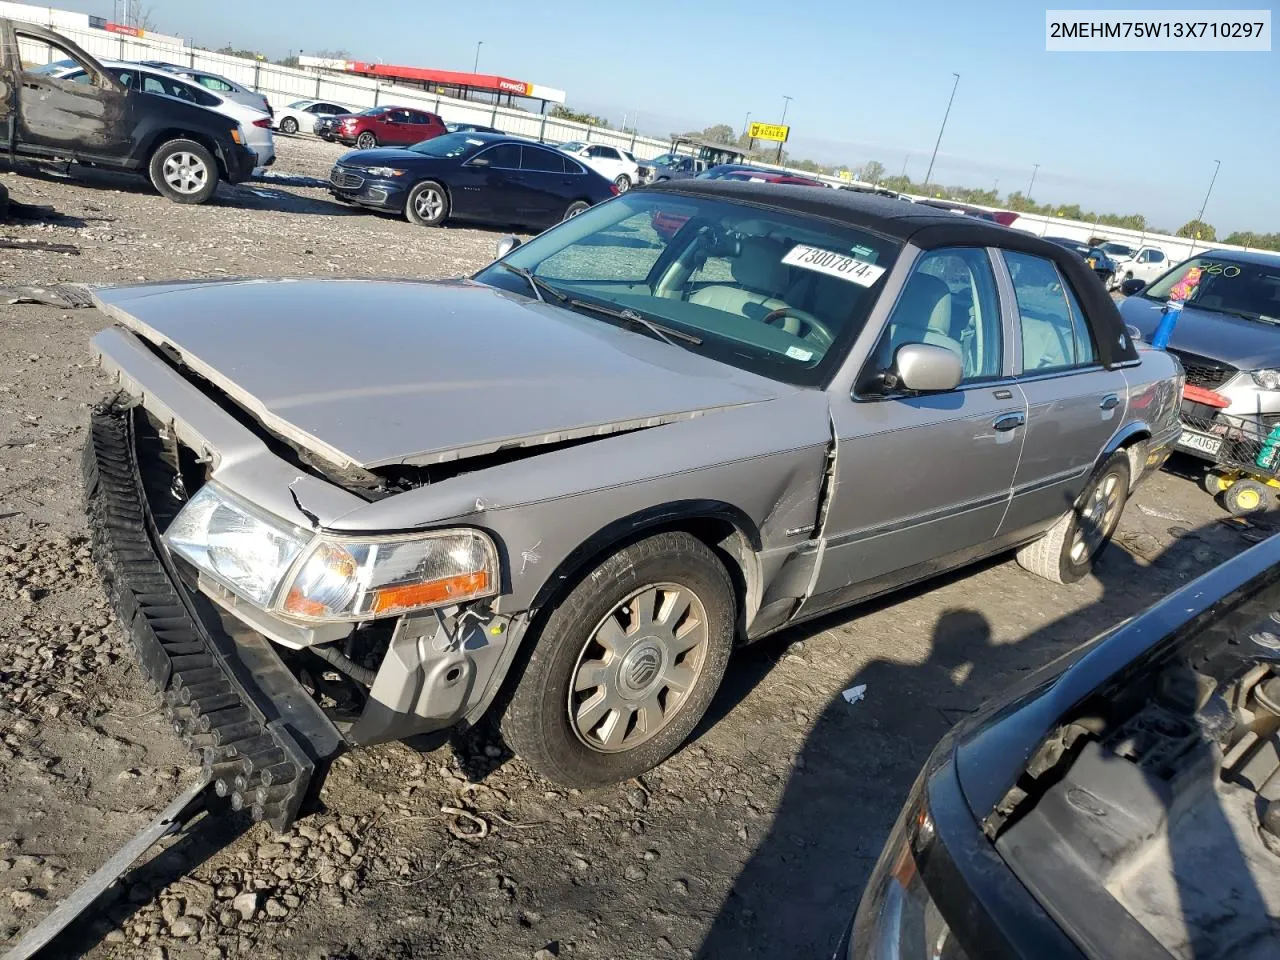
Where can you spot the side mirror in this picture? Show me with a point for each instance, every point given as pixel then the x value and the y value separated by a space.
pixel 1130 287
pixel 506 245
pixel 478 162
pixel 927 368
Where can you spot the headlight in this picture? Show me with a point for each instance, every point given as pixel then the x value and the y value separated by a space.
pixel 897 918
pixel 301 575
pixel 245 549
pixel 385 172
pixel 1267 379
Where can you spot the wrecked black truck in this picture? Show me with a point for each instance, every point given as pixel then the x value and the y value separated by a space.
pixel 558 493
pixel 184 149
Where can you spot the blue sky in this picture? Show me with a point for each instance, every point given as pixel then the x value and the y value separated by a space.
pixel 1116 132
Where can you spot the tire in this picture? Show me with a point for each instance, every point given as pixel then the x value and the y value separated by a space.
pixel 1246 497
pixel 184 171
pixel 366 141
pixel 1214 483
pixel 575 208
pixel 288 125
pixel 623 183
pixel 427 204
pixel 603 744
pixel 1066 553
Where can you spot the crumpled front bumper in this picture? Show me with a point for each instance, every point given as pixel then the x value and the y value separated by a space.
pixel 262 738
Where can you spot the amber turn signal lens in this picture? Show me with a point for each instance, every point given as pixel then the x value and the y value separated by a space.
pixel 463 586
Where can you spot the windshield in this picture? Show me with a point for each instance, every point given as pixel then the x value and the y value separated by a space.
pixel 771 292
pixel 1250 290
pixel 1117 249
pixel 53 67
pixel 300 104
pixel 665 158
pixel 572 145
pixel 448 145
pixel 373 112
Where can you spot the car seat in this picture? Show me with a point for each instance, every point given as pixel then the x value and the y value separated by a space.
pixel 921 315
pixel 761 276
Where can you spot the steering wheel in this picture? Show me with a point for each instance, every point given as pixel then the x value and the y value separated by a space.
pixel 811 328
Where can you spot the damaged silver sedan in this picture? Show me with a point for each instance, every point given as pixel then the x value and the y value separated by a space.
pixel 560 492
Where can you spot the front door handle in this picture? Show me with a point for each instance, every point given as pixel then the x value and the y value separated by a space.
pixel 1109 402
pixel 1010 421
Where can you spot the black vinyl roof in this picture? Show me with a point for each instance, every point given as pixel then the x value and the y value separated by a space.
pixel 928 228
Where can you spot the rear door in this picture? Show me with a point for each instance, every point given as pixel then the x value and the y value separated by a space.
pixel 606 160
pixel 87 116
pixel 548 187
pixel 1074 404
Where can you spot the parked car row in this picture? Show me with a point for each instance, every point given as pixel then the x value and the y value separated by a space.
pixel 1096 257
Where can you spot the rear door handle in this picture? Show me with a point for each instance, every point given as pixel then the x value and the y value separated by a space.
pixel 1010 421
pixel 1109 402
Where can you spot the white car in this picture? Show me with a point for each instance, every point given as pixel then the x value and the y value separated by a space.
pixel 610 162
pixel 301 115
pixel 1144 262
pixel 255 124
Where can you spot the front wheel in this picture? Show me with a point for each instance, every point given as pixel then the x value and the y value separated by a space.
pixel 427 204
pixel 623 183
pixel 288 125
pixel 184 171
pixel 626 664
pixel 1066 553
pixel 366 141
pixel 1245 497
pixel 575 208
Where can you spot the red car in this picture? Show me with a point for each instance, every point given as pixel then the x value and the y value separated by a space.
pixel 387 127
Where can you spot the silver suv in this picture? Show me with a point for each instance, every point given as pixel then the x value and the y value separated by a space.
pixel 562 491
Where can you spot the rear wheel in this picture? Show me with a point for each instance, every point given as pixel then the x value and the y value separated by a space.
pixel 427 204
pixel 288 125
pixel 184 171
pixel 575 208
pixel 1215 483
pixel 625 665
pixel 1066 553
pixel 366 141
pixel 623 183
pixel 1245 497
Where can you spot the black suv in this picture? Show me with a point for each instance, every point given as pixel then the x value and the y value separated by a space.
pixel 184 149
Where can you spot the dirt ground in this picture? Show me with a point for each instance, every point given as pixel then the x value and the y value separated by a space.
pixel 753 841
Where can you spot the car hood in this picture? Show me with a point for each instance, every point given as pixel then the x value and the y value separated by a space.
pixel 1246 344
pixel 374 373
pixel 379 156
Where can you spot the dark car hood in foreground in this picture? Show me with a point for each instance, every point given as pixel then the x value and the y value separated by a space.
pixel 374 373
pixel 996 744
pixel 381 157
pixel 1246 344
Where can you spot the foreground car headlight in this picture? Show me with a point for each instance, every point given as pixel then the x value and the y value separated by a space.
pixel 897 918
pixel 1267 379
pixel 385 172
pixel 301 575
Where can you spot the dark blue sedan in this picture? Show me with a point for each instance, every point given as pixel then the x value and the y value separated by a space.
pixel 490 178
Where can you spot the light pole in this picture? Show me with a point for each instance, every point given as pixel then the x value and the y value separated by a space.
pixel 995 188
pixel 1200 215
pixel 475 68
pixel 1034 168
pixel 786 102
pixel 746 124
pixel 928 175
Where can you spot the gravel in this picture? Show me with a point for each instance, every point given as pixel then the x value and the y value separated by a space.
pixel 753 841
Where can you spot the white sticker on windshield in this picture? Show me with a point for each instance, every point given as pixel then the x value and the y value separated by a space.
pixel 834 264
pixel 799 353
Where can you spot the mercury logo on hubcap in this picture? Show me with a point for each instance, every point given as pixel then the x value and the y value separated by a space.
pixel 642 668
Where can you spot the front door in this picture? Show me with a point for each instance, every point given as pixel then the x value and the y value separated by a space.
pixel 87 115
pixel 1074 404
pixel 922 479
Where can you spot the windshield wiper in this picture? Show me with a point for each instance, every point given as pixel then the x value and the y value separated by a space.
pixel 536 284
pixel 1242 314
pixel 662 331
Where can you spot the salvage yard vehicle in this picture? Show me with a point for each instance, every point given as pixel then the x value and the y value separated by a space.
pixel 185 149
pixel 560 492
pixel 223 86
pixel 470 176
pixel 1136 263
pixel 255 125
pixel 382 127
pixel 302 115
pixel 1099 262
pixel 611 163
pixel 1118 803
pixel 1227 339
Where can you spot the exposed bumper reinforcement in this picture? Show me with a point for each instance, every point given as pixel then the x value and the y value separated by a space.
pixel 263 741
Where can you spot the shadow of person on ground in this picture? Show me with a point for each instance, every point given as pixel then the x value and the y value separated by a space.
pixel 797 891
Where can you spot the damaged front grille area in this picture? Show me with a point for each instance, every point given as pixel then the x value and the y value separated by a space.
pixel 254 734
